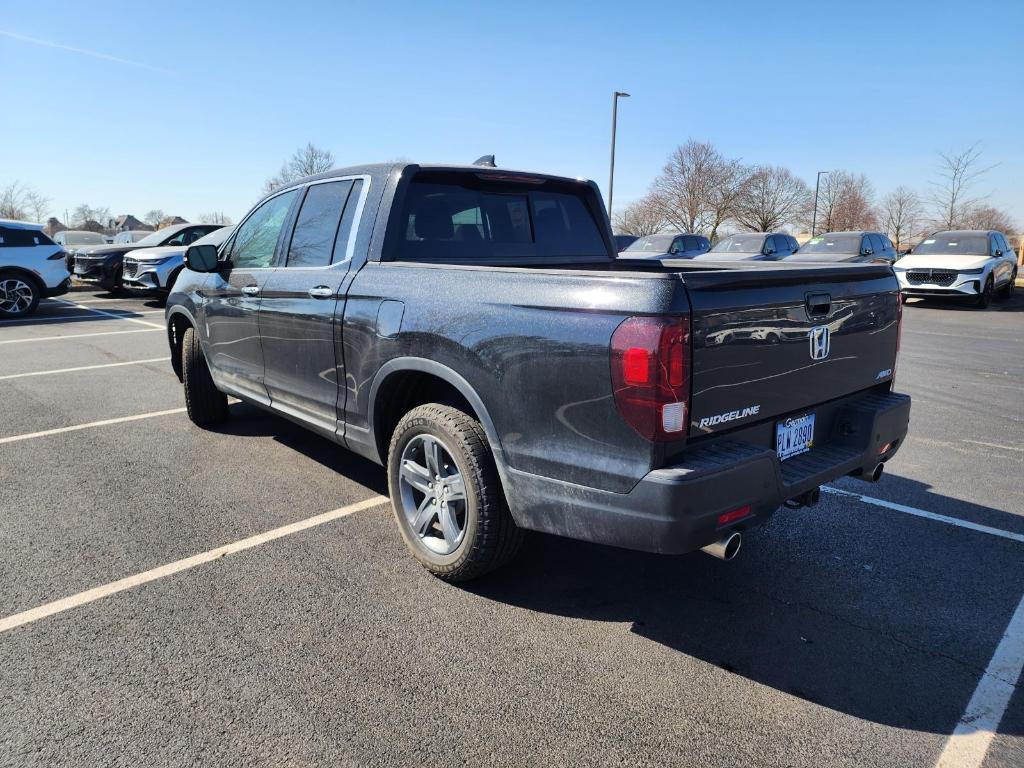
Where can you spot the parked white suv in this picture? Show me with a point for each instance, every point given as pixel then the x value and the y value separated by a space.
pixel 974 264
pixel 31 267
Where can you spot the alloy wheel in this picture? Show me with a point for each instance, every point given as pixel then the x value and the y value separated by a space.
pixel 433 494
pixel 15 296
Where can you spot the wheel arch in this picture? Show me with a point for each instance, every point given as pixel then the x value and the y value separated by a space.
pixel 23 272
pixel 406 382
pixel 178 321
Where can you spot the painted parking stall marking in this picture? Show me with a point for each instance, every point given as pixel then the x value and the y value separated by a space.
pixel 97 593
pixel 89 425
pixel 83 368
pixel 81 335
pixel 907 510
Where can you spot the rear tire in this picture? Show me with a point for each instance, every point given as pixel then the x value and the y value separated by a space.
pixel 19 295
pixel 487 535
pixel 206 404
pixel 1006 292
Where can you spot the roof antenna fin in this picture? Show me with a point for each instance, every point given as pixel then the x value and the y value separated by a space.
pixel 487 161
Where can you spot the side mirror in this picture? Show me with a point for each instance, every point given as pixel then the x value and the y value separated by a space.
pixel 202 258
pixel 998 252
pixel 868 251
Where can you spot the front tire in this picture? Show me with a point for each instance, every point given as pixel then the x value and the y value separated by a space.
pixel 987 293
pixel 446 494
pixel 19 295
pixel 206 404
pixel 1006 292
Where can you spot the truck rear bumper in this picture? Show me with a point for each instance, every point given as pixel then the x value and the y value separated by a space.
pixel 676 509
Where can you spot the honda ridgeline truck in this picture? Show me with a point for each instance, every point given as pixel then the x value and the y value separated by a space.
pixel 471 329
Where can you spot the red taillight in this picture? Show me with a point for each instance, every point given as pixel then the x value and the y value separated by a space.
pixel 649 358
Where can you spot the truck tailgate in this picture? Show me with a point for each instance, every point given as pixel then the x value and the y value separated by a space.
pixel 775 340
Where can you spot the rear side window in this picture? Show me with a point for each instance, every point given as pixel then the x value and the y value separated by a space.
pixel 316 227
pixel 461 217
pixel 15 237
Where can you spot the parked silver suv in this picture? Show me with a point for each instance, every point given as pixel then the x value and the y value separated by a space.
pixel 154 269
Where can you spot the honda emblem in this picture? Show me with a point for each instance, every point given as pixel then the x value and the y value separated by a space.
pixel 819 342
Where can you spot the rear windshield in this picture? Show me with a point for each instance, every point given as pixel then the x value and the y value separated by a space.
pixel 832 244
pixel 658 243
pixel 463 217
pixel 971 245
pixel 84 238
pixel 739 244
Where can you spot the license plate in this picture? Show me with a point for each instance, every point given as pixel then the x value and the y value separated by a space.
pixel 794 436
pixel 79 269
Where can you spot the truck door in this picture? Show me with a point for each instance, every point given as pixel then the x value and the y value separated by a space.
pixel 232 298
pixel 303 303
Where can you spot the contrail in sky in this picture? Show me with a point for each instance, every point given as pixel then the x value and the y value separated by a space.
pixel 84 52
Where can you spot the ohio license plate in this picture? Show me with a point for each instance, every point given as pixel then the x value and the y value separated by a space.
pixel 794 436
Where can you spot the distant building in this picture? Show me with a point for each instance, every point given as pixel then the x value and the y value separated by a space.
pixel 170 221
pixel 128 223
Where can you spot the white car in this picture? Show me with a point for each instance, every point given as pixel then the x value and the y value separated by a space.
pixel 971 264
pixel 31 267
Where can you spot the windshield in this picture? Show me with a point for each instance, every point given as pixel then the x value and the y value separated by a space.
pixel 971 245
pixel 83 238
pixel 848 243
pixel 659 243
pixel 216 237
pixel 158 237
pixel 739 244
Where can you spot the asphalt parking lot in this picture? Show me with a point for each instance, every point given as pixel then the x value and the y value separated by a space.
pixel 859 632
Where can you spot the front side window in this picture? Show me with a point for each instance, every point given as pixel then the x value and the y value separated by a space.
pixel 463 217
pixel 256 239
pixel 316 227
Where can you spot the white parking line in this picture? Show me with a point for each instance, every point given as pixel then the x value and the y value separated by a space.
pixel 928 515
pixel 973 736
pixel 80 335
pixel 111 314
pixel 83 368
pixel 997 445
pixel 77 317
pixel 89 425
pixel 96 593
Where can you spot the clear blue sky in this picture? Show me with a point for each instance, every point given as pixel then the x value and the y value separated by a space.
pixel 189 106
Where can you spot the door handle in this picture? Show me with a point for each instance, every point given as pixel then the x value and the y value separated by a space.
pixel 251 290
pixel 320 292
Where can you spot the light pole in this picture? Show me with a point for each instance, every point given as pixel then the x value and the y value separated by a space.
pixel 814 218
pixel 611 170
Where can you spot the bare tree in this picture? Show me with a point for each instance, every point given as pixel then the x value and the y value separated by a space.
pixel 86 217
pixel 12 201
pixel 900 215
pixel 154 217
pixel 698 188
pixel 38 204
pixel 216 217
pixel 987 217
pixel 307 161
pixel 845 203
pixel 641 217
pixel 951 199
pixel 771 197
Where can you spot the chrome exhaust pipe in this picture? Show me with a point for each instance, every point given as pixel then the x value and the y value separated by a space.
pixel 726 547
pixel 876 473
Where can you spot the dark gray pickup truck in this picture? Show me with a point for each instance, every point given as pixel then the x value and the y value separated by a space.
pixel 471 329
